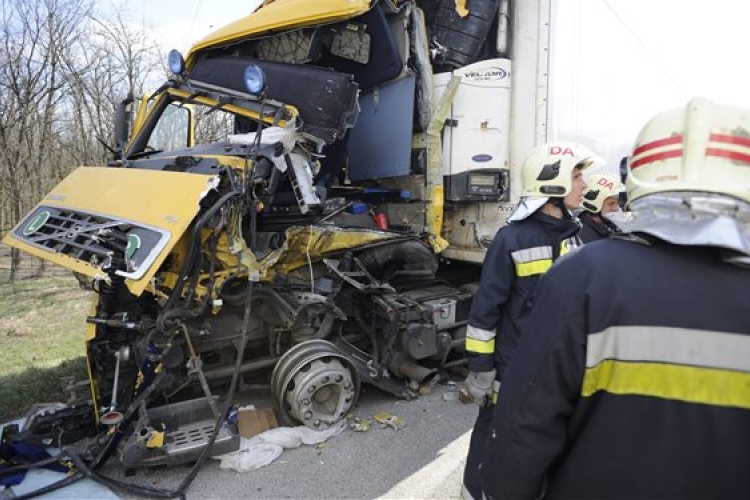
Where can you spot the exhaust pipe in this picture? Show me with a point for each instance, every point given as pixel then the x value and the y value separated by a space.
pixel 406 368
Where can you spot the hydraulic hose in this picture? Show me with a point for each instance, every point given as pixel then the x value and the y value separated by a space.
pixel 189 260
pixel 22 467
pixel 399 258
pixel 180 491
pixel 51 487
pixel 235 379
pixel 109 482
pixel 84 469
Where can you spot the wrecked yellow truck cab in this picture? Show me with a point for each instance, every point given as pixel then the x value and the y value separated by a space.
pixel 291 205
pixel 283 15
pixel 97 212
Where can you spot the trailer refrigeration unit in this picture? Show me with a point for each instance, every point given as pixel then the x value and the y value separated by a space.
pixel 311 194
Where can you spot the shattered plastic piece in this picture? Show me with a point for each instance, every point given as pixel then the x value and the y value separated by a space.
pixel 386 420
pixel 288 137
pixel 449 396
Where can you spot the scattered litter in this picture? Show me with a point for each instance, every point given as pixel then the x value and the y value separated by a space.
pixel 319 448
pixel 386 420
pixel 267 446
pixel 425 390
pixel 449 396
pixel 358 424
pixel 252 422
pixel 36 478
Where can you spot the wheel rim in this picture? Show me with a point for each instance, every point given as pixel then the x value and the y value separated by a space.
pixel 315 383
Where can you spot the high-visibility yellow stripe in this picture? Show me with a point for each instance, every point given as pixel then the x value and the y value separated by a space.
pixel 532 268
pixel 689 384
pixel 480 346
pixel 564 248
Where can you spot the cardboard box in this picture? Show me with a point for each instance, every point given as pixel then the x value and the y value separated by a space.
pixel 253 422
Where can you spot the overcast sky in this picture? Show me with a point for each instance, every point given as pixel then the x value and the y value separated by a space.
pixel 619 62
pixel 615 63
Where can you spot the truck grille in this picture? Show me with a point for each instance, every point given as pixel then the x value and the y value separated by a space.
pixel 93 238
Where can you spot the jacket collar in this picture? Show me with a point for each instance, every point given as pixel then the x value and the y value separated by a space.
pixel 603 229
pixel 566 227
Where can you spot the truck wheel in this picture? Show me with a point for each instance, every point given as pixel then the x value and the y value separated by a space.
pixel 315 383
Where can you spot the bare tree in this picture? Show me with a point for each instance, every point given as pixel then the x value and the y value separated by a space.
pixel 116 60
pixel 35 34
pixel 62 71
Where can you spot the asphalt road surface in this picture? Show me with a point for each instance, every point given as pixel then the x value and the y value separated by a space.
pixel 423 460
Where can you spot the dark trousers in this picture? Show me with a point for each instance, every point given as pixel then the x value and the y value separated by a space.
pixel 479 436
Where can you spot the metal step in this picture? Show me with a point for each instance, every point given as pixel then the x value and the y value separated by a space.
pixel 189 440
pixel 187 428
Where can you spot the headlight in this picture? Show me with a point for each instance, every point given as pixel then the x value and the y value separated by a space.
pixel 176 62
pixel 255 79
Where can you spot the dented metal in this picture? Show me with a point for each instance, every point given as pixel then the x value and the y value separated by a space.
pixel 247 247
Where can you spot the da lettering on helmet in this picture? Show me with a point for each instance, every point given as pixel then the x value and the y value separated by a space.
pixel 559 150
pixel 607 183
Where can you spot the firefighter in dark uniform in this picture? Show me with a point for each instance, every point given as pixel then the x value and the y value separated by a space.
pixel 540 230
pixel 642 389
pixel 602 197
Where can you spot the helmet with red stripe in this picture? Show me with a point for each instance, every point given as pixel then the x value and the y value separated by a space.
pixel 701 147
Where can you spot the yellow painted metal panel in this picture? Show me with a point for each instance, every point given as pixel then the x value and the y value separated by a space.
pixel 164 200
pixel 168 200
pixel 281 15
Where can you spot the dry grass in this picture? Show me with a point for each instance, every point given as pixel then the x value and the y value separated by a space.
pixel 42 325
pixel 42 322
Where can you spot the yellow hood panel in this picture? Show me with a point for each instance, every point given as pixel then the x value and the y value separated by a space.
pixel 154 208
pixel 281 15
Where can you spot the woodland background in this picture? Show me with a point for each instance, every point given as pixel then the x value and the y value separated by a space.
pixel 63 69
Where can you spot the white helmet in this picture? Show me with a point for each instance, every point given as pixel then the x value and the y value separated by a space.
pixel 547 169
pixel 599 187
pixel 700 147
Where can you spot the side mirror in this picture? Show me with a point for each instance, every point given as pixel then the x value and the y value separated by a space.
pixel 123 123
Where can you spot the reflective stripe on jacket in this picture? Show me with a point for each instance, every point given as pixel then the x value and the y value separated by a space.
pixel 520 253
pixel 632 380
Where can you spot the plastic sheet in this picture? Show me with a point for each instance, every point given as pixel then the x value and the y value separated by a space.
pixel 39 478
